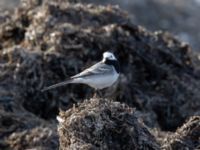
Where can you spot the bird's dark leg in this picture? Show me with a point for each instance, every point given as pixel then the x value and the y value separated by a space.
pixel 100 94
pixel 95 93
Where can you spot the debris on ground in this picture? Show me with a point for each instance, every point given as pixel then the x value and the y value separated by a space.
pixel 45 42
pixel 103 124
pixel 187 136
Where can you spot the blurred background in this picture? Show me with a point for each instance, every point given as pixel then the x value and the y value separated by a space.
pixel 179 17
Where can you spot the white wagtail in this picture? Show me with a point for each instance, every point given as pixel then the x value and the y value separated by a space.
pixel 99 76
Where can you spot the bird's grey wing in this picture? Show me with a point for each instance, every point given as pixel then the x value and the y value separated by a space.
pixel 97 69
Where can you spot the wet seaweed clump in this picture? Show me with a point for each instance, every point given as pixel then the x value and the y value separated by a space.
pixel 103 124
pixel 23 130
pixel 187 136
pixel 47 41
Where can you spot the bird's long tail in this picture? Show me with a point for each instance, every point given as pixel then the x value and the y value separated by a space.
pixel 57 85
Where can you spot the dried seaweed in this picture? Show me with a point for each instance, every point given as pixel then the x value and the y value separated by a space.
pixel 46 42
pixel 103 124
pixel 187 136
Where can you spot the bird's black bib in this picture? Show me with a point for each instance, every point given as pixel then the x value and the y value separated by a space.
pixel 114 63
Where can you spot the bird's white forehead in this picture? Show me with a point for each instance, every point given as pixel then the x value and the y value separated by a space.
pixel 108 55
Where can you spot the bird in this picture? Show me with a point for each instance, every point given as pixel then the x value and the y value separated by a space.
pixel 99 76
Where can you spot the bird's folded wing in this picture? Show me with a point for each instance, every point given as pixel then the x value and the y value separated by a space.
pixel 97 69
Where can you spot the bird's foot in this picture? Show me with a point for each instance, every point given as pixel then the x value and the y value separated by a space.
pixel 97 94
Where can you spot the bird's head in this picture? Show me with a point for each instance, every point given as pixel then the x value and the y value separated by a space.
pixel 108 56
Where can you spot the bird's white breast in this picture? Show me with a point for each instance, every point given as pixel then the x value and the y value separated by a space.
pixel 102 81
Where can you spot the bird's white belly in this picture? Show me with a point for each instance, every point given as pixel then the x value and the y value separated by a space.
pixel 102 82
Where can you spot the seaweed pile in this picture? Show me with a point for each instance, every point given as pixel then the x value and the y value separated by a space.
pixel 44 42
pixel 103 124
